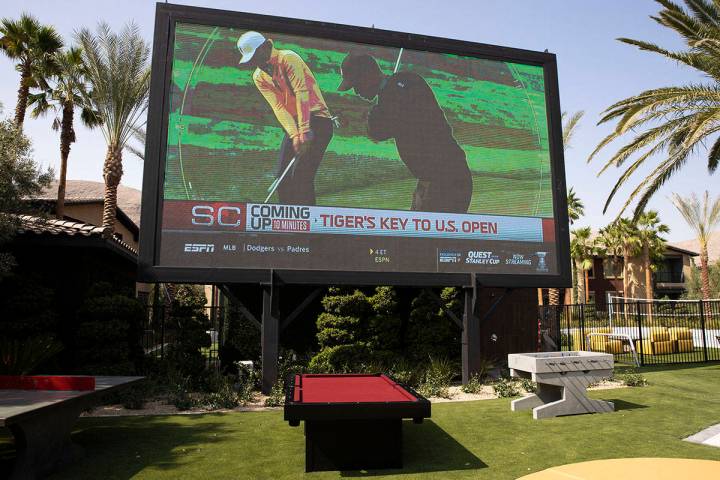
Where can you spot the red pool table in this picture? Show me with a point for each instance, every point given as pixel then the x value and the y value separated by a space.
pixel 353 421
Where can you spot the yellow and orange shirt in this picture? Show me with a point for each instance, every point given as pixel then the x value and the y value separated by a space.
pixel 291 91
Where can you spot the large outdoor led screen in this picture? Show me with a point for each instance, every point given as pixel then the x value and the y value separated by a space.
pixel 284 145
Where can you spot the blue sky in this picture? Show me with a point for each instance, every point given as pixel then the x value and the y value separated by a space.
pixel 594 69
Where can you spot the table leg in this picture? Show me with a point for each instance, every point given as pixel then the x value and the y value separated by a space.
pixel 545 394
pixel 353 444
pixel 43 443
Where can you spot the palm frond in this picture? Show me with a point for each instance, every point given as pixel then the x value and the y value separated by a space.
pixel 714 156
pixel 701 217
pixel 675 120
pixel 117 69
pixel 569 127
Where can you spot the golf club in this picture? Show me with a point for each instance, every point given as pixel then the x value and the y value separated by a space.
pixel 397 63
pixel 279 180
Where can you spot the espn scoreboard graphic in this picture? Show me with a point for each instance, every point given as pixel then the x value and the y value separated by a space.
pixel 287 145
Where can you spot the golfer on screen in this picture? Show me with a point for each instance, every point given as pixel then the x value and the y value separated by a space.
pixel 288 85
pixel 408 111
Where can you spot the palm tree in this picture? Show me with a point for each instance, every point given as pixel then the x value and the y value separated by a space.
pixel 33 46
pixel 576 209
pixel 631 246
pixel 611 240
pixel 582 249
pixel 62 93
pixel 119 77
pixel 702 218
pixel 677 120
pixel 649 230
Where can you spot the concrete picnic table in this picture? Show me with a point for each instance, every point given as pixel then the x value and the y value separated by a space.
pixel 41 422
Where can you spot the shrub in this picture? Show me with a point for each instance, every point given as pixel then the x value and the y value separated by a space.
pixel 632 379
pixel 245 392
pixel 277 396
pixel 430 331
pixel 338 359
pixel 357 329
pixel 135 397
pixel 505 388
pixel 187 315
pixel 108 338
pixel 225 397
pixel 22 357
pixel 242 339
pixel 406 373
pixel 182 400
pixel 436 381
pixel 474 384
pixel 528 385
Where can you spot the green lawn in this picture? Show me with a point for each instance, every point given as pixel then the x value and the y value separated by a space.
pixel 697 355
pixel 479 440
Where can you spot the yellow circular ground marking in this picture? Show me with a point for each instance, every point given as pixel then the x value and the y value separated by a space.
pixel 632 469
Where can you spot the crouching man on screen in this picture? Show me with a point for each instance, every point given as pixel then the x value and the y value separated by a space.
pixel 408 111
pixel 290 88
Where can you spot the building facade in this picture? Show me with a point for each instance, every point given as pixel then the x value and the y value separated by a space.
pixel 605 279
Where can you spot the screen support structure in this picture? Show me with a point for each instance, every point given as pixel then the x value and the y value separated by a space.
pixel 270 332
pixel 470 331
pixel 272 322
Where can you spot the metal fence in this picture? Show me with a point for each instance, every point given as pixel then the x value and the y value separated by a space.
pixel 162 330
pixel 636 332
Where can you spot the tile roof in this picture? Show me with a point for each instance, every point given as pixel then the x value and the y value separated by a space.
pixel 85 191
pixel 39 225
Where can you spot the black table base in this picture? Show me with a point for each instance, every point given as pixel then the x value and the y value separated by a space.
pixel 353 444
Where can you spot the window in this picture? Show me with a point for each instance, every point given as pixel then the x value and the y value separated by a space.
pixel 591 271
pixel 591 297
pixel 613 267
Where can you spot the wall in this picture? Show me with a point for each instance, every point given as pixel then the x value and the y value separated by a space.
pixel 92 213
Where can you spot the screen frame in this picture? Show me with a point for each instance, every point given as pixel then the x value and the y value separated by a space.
pixel 166 17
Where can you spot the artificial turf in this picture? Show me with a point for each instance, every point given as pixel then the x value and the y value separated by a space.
pixel 479 439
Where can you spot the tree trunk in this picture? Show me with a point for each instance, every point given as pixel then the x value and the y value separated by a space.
pixel 586 276
pixel 704 272
pixel 23 91
pixel 554 296
pixel 67 136
pixel 649 291
pixel 112 173
pixel 626 261
pixel 573 289
pixel 580 282
pixel 648 283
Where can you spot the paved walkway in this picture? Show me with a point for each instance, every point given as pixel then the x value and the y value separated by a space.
pixel 709 436
pixel 632 469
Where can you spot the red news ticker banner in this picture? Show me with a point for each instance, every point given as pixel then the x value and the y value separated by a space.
pixel 273 218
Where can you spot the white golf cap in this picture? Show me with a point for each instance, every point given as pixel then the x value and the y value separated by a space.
pixel 248 43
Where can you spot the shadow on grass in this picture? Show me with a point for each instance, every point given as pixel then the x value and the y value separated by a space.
pixel 428 448
pixel 122 447
pixel 624 405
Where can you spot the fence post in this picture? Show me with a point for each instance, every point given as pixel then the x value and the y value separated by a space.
pixel 582 327
pixel 162 332
pixel 557 313
pixel 638 319
pixel 701 304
